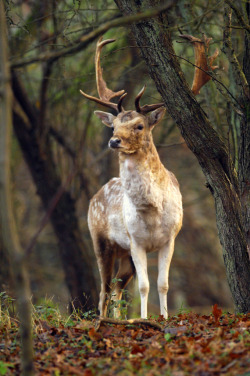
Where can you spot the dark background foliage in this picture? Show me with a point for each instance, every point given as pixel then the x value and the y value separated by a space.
pixel 57 141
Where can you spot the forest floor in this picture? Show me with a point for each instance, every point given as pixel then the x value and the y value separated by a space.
pixel 185 344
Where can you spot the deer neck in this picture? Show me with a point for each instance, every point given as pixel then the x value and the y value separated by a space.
pixel 143 177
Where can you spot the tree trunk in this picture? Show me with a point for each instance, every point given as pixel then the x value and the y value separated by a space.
pixel 5 272
pixel 203 141
pixel 77 264
pixel 244 149
pixel 7 222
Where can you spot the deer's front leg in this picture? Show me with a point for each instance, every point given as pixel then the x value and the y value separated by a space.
pixel 139 257
pixel 164 260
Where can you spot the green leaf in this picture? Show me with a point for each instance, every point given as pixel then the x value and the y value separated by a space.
pixel 168 337
pixel 4 367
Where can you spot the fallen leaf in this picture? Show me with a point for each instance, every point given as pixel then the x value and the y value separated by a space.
pixel 138 349
pixel 87 372
pixel 93 335
pixel 217 312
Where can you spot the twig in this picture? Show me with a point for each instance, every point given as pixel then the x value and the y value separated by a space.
pixel 202 16
pixel 127 322
pixel 201 19
pixel 23 99
pixel 87 39
pixel 170 145
pixel 62 141
pixel 228 50
pixel 229 365
pixel 238 15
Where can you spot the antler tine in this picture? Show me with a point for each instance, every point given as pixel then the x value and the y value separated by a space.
pixel 137 99
pixel 201 77
pixel 150 107
pixel 105 94
pixel 119 105
pixel 147 107
pixel 100 101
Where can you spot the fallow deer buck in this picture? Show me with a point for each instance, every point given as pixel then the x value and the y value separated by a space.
pixel 139 212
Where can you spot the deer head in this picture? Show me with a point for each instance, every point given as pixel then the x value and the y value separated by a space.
pixel 132 129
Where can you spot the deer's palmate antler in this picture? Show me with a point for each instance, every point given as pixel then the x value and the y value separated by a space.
pixel 201 61
pixel 105 94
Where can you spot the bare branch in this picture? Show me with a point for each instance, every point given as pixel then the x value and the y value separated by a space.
pixel 87 39
pixel 170 145
pixel 146 322
pixel 62 141
pixel 229 51
pixel 23 99
pixel 238 14
pixel 46 217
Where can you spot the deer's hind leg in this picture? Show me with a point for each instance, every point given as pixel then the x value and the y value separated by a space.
pixel 105 260
pixel 124 275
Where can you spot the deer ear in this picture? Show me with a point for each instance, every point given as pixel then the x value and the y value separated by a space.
pixel 105 117
pixel 156 116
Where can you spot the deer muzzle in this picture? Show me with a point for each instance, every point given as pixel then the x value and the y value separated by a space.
pixel 114 143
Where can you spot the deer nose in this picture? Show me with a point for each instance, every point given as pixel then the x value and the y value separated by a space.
pixel 114 143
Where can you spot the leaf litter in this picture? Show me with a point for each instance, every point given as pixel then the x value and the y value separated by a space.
pixel 186 344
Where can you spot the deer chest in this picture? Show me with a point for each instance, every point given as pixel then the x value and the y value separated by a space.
pixel 149 226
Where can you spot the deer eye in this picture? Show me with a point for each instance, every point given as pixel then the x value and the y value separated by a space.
pixel 140 127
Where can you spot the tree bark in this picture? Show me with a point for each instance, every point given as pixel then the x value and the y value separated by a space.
pixel 78 268
pixel 244 148
pixel 203 141
pixel 7 222
pixel 5 270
